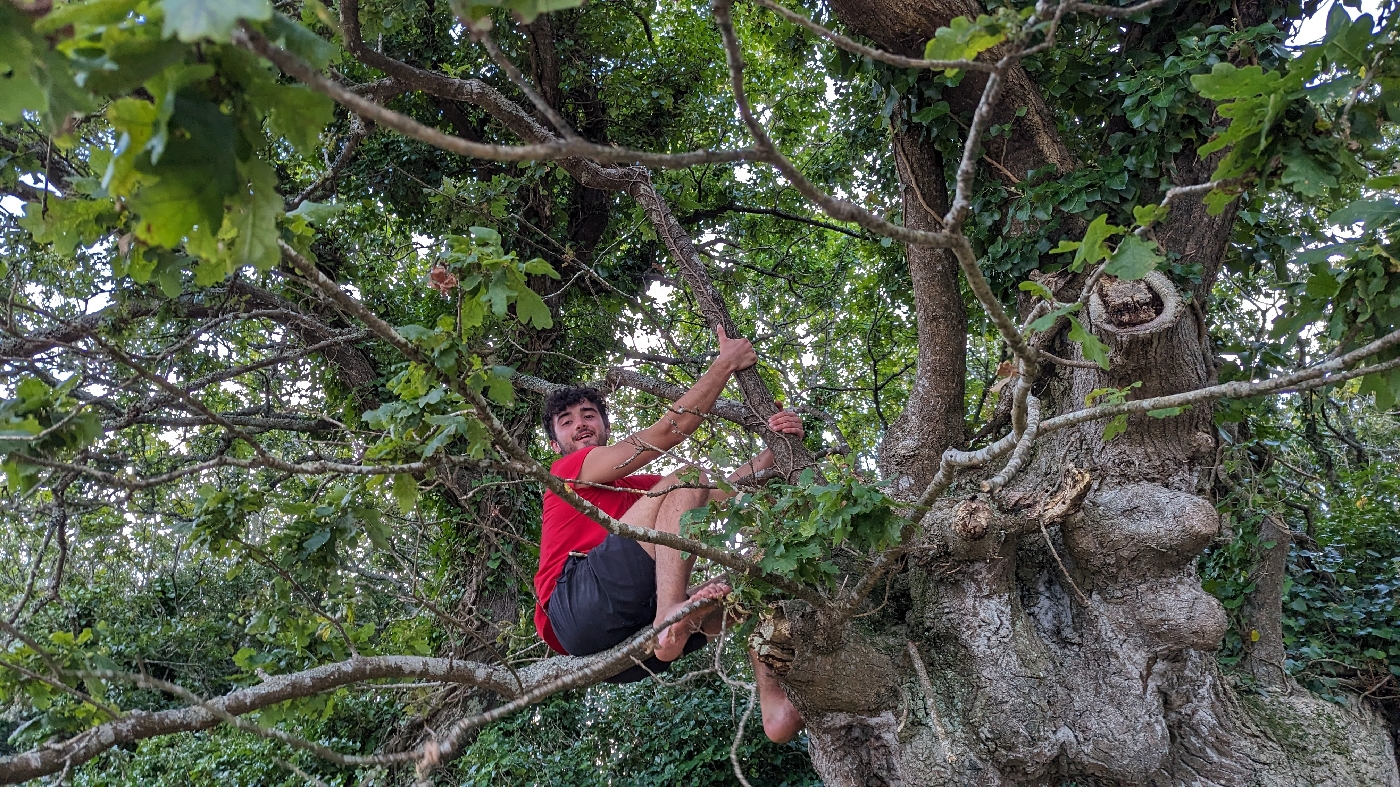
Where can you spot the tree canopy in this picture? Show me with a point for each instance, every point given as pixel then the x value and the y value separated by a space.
pixel 285 283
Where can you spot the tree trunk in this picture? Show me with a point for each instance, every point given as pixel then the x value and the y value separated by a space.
pixel 1080 649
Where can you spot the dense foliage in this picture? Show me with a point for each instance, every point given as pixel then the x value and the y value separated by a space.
pixel 153 329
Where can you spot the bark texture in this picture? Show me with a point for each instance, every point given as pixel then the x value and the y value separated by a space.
pixel 1079 646
pixel 932 419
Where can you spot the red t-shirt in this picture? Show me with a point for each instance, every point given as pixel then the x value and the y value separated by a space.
pixel 567 530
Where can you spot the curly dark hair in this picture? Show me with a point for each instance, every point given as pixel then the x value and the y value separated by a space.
pixel 564 398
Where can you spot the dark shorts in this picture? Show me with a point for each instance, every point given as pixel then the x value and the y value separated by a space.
pixel 604 598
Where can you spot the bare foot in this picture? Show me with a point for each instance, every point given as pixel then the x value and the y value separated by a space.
pixel 722 619
pixel 671 644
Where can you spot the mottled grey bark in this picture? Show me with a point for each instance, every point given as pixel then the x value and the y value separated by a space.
pixel 1080 649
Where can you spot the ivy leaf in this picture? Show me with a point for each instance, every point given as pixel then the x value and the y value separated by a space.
pixel 963 39
pixel 192 20
pixel 930 113
pixel 1134 259
pixel 1093 349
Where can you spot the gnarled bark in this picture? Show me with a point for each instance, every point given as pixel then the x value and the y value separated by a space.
pixel 1079 647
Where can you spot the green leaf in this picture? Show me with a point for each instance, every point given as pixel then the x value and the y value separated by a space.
pixel 531 309
pixel 538 267
pixel 1134 259
pixel 1116 426
pixel 1226 81
pixel 1066 246
pixel 127 63
pixel 194 177
pixel 1384 182
pixel 1093 349
pixel 1322 284
pixel 317 540
pixel 34 77
pixel 1038 289
pixel 1044 322
pixel 1094 247
pixel 1305 175
pixel 1147 215
pixel 255 219
pixel 486 235
pixel 524 10
pixel 1385 386
pixel 1371 212
pixel 930 113
pixel 192 20
pixel 405 493
pixel 165 88
pixel 963 39
pixel 294 112
pixel 20 87
pixel 293 37
pixel 1217 200
pixel 69 223
pixel 378 532
pixel 1168 412
pixel 317 213
pixel 499 387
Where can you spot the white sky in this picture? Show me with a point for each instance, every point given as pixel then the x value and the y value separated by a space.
pixel 1315 26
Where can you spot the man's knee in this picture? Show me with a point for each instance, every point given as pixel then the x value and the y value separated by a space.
pixel 686 486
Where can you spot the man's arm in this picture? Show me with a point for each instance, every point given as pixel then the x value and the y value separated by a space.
pixel 782 422
pixel 606 464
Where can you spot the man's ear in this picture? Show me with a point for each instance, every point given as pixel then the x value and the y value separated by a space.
pixel 554 446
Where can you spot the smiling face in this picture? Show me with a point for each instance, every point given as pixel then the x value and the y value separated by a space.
pixel 578 427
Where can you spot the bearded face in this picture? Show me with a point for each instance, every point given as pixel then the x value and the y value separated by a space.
pixel 578 427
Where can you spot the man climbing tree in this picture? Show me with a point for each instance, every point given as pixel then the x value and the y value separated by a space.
pixel 596 589
pixel 1097 305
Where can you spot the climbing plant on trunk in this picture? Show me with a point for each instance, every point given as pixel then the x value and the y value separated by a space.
pixel 287 281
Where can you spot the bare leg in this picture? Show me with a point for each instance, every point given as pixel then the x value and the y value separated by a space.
pixel 781 721
pixel 673 575
pixel 672 570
